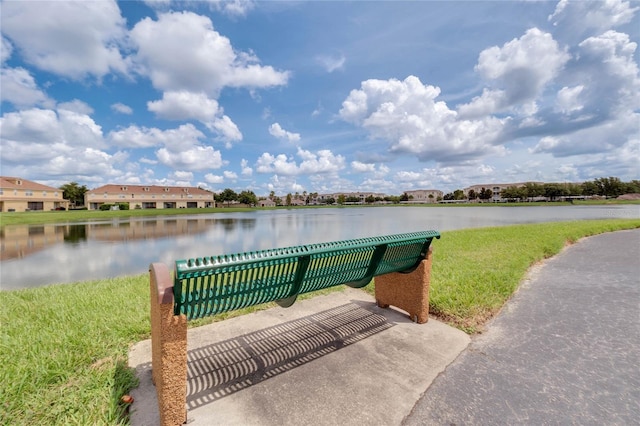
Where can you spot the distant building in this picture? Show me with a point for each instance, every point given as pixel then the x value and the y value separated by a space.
pixel 149 197
pixel 496 189
pixel 266 203
pixel 361 196
pixel 22 195
pixel 424 196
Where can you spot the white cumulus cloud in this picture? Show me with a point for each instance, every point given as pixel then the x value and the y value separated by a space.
pixel 276 130
pixel 69 38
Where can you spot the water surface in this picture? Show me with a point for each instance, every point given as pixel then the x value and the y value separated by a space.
pixel 37 255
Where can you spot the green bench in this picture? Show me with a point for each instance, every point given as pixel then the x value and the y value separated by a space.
pixel 207 286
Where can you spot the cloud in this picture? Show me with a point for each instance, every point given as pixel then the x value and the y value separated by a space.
pixel 73 39
pixel 196 158
pixel 320 162
pixel 406 115
pixel 604 138
pixel 582 17
pixel 209 64
pixel 229 175
pixel 122 108
pixel 360 167
pixel 214 179
pixel 246 170
pixel 323 161
pixel 19 87
pixel 37 134
pixel 276 130
pixel 6 49
pixel 184 105
pixel 519 70
pixel 63 143
pixel 331 63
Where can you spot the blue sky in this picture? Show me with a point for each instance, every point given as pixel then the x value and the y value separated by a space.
pixel 319 96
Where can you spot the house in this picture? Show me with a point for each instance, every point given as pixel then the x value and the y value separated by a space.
pixel 424 196
pixel 22 195
pixel 496 189
pixel 266 203
pixel 149 197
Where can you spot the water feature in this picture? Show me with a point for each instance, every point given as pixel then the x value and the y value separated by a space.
pixel 36 255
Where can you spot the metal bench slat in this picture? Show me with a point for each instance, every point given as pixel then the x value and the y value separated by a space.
pixel 209 285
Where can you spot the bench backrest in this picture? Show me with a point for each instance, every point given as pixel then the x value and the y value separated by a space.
pixel 210 285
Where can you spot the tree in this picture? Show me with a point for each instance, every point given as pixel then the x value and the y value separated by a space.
pixel 272 195
pixel 485 194
pixel 341 199
pixel 472 195
pixel 288 199
pixel 226 196
pixel 610 187
pixel 248 197
pixel 73 192
pixel 589 188
pixel 554 190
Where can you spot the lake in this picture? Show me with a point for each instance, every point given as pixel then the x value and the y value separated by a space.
pixel 36 255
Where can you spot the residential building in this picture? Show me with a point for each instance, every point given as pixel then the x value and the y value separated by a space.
pixel 424 196
pixel 496 189
pixel 149 197
pixel 267 202
pixel 361 196
pixel 22 195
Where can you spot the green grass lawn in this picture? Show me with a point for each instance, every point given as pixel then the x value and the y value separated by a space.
pixel 63 348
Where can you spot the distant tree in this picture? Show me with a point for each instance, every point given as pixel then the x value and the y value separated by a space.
pixel 485 194
pixel 272 195
pixel 331 200
pixel 341 199
pixel 248 197
pixel 226 196
pixel 472 195
pixel 288 199
pixel 73 192
pixel 533 190
pixel 610 187
pixel 352 199
pixel 554 190
pixel 458 194
pixel 404 197
pixel 370 199
pixel 589 188
pixel 633 187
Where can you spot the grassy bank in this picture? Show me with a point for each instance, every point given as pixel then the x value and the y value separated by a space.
pixel 63 348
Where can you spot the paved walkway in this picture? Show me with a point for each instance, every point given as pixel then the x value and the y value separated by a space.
pixel 565 350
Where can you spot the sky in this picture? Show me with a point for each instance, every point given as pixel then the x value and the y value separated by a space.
pixel 319 96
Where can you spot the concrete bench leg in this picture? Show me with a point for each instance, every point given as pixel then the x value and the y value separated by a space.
pixel 409 292
pixel 169 349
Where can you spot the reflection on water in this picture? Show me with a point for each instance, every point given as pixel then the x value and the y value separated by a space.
pixel 32 256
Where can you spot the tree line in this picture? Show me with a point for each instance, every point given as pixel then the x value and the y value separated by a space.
pixel 608 187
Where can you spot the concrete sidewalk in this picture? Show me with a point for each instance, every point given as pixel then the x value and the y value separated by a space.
pixel 564 351
pixel 334 359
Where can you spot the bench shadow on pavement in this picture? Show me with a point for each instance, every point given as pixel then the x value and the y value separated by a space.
pixel 226 367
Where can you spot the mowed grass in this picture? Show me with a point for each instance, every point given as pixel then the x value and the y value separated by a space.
pixel 63 348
